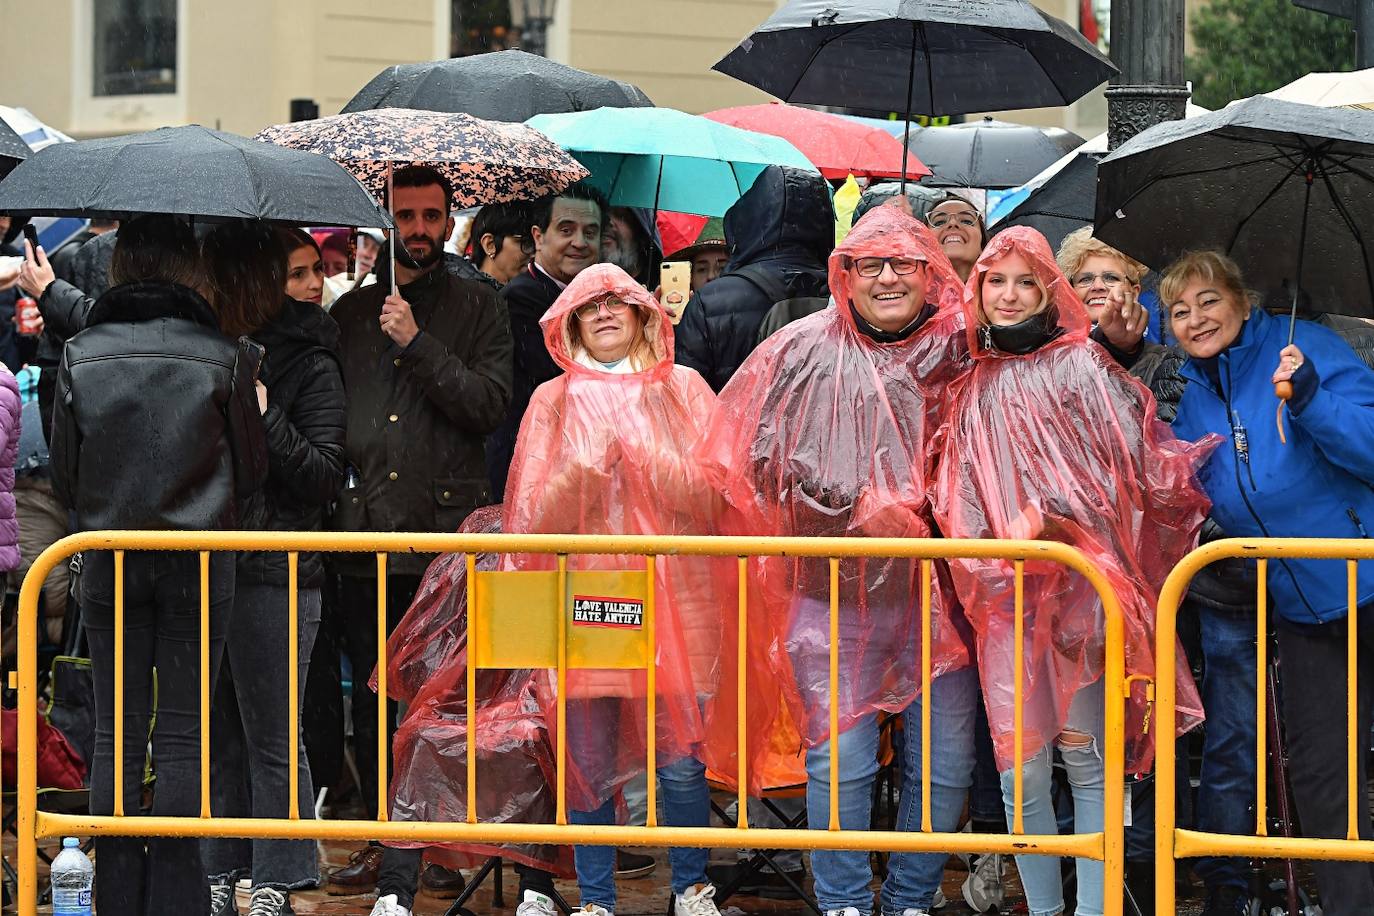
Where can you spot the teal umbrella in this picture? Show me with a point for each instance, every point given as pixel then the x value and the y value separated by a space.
pixel 663 159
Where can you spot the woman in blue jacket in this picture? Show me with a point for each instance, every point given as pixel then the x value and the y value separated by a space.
pixel 1310 477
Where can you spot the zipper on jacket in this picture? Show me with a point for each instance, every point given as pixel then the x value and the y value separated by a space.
pixel 1240 445
pixel 1358 524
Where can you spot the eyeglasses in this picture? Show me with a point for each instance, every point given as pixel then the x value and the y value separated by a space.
pixel 962 220
pixel 589 311
pixel 872 267
pixel 1085 281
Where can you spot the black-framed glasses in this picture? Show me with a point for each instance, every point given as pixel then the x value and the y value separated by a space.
pixel 1085 280
pixel 589 311
pixel 872 267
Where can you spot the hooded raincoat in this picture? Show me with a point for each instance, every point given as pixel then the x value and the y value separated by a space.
pixel 610 452
pixel 824 431
pixel 427 669
pixel 1061 444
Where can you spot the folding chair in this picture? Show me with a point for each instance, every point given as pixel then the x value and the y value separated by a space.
pixel 763 858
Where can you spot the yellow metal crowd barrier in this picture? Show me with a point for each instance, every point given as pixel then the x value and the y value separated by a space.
pixel 1172 843
pixel 486 607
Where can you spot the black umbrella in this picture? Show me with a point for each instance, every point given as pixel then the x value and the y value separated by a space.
pixel 13 149
pixel 933 57
pixel 499 86
pixel 1286 189
pixel 191 171
pixel 990 154
pixel 1062 204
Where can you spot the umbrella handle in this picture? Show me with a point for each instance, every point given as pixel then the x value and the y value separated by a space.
pixel 1284 391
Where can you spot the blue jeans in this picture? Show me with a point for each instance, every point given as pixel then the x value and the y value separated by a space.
pixel 843 878
pixel 686 803
pixel 1226 792
pixel 1040 876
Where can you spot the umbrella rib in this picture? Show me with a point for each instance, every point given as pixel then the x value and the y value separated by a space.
pixel 812 59
pixel 1349 224
pixel 1240 226
pixel 1172 175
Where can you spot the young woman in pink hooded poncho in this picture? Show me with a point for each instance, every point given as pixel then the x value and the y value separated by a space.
pixel 824 431
pixel 1048 438
pixel 606 448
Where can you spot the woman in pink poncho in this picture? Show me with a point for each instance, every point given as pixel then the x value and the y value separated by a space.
pixel 606 448
pixel 825 432
pixel 1048 438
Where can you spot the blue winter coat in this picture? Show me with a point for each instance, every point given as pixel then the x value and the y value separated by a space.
pixel 1317 485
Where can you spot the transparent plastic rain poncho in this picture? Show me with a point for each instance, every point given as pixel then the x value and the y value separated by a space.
pixel 825 432
pixel 427 670
pixel 611 452
pixel 1062 445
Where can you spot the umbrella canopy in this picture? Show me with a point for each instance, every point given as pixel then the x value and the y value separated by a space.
pixel 191 171
pixel 1330 90
pixel 1287 190
pixel 663 159
pixel 838 146
pixel 990 154
pixel 13 149
pixel 487 162
pixel 499 86
pixel 930 57
pixel 1063 203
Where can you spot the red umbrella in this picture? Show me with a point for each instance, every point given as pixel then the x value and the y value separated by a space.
pixel 835 145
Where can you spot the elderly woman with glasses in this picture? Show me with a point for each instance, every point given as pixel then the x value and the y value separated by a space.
pixel 606 448
pixel 1107 282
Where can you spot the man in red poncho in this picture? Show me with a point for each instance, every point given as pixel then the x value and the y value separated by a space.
pixel 1048 438
pixel 824 432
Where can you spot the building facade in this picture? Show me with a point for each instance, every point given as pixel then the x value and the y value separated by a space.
pixel 99 67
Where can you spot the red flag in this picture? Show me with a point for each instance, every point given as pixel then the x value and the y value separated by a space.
pixel 1087 21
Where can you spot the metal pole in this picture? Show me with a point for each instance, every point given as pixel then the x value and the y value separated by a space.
pixel 1364 34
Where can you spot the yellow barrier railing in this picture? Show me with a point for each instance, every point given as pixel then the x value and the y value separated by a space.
pixel 1171 843
pixel 34 825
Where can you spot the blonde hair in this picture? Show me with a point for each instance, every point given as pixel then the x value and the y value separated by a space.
pixel 1080 245
pixel 643 352
pixel 1209 266
pixel 1046 303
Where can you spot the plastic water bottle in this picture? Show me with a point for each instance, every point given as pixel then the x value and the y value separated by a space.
pixel 72 875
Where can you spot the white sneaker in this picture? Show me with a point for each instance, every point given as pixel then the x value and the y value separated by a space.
pixel 983 886
pixel 847 911
pixel 536 904
pixel 593 909
pixel 696 901
pixel 389 906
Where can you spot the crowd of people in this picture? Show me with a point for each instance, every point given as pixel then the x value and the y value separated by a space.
pixel 925 377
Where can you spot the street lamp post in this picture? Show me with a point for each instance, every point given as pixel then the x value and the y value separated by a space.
pixel 534 34
pixel 1147 46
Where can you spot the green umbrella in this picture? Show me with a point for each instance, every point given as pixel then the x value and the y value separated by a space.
pixel 660 158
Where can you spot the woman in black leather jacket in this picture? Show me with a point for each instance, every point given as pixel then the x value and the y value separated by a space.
pixel 301 395
pixel 154 428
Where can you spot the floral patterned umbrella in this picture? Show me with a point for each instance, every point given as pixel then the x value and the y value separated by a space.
pixel 487 162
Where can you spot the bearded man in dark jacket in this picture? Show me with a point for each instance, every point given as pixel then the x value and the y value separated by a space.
pixel 779 235
pixel 428 374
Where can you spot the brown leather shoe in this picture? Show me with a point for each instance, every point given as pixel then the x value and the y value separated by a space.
pixel 444 883
pixel 359 876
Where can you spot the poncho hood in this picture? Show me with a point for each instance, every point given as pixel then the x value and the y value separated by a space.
pixel 1068 311
pixel 886 232
pixel 599 282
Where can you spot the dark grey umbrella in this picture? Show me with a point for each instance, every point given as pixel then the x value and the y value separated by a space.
pixel 499 86
pixel 990 154
pixel 13 149
pixel 192 171
pixel 1286 189
pixel 1062 204
pixel 931 57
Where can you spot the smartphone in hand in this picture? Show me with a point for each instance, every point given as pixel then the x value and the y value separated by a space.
pixel 677 287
